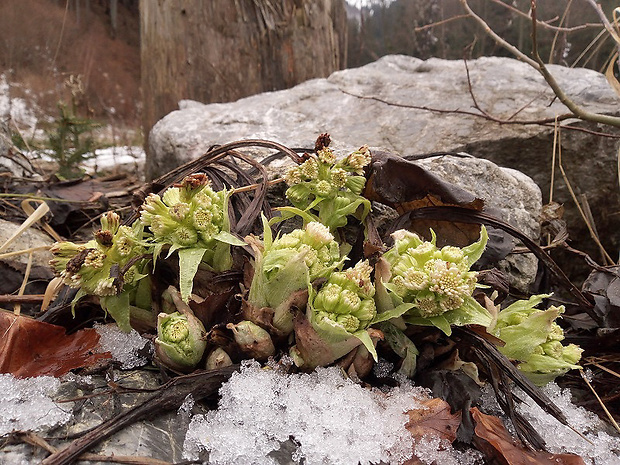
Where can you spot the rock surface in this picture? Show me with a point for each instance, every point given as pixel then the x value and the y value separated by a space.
pixel 429 109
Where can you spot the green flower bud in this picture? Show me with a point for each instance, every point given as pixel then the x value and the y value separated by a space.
pixel 292 177
pixel 358 159
pixel 110 221
pixel 184 237
pixel 339 178
pixel 253 340
pixel 572 354
pixel 326 155
pixel 324 189
pixel 553 348
pixel 181 341
pixel 366 310
pixel 179 211
pixel 349 322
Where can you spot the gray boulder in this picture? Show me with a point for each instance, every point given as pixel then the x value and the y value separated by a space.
pixel 410 106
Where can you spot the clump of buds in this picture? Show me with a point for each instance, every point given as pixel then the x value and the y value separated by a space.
pixel 329 187
pixel 288 264
pixel 339 317
pixel 191 218
pixel 433 286
pixel 108 266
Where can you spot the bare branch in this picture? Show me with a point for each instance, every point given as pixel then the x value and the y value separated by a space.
pixel 498 39
pixel 549 122
pixel 440 23
pixel 546 24
pixel 557 90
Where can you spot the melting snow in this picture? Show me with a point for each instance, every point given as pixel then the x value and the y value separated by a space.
pixel 330 419
pixel 604 449
pixel 26 404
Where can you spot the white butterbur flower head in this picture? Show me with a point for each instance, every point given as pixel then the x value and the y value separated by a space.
pixel 436 283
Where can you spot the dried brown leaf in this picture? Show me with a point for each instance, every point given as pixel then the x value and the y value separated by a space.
pixel 434 418
pixel 496 443
pixel 32 348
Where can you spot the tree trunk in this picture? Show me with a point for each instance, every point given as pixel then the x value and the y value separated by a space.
pixel 223 50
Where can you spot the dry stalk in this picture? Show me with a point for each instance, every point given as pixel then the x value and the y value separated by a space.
pixel 18 307
pixel 589 225
pixel 607 412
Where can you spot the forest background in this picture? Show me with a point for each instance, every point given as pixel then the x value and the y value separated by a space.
pixel 86 53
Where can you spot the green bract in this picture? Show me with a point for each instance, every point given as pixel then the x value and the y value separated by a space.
pixel 100 267
pixel 181 340
pixel 192 219
pixel 328 187
pixel 289 264
pixel 344 308
pixel 430 286
pixel 533 338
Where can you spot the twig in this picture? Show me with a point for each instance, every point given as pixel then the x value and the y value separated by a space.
pixel 22 299
pixel 593 234
pixel 168 397
pixel 498 39
pixel 18 306
pixel 601 14
pixel 557 33
pixel 35 440
pixel 548 122
pixel 546 24
pixel 439 23
pixel 609 415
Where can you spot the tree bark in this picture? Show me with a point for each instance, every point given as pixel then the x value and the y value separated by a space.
pixel 223 50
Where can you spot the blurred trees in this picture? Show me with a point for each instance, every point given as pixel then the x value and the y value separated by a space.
pixel 397 26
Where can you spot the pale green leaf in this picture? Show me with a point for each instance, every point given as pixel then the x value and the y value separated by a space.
pixel 189 259
pixel 118 307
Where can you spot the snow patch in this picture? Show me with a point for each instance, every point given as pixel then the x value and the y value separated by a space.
pixel 329 418
pixel 26 404
pixel 124 347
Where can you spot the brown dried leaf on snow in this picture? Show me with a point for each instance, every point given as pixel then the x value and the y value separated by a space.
pixel 497 444
pixel 32 348
pixel 433 418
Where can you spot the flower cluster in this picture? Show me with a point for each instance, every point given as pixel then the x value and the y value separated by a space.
pixel 346 300
pixel 289 264
pixel 533 338
pixel 434 286
pixel 90 266
pixel 331 188
pixel 189 214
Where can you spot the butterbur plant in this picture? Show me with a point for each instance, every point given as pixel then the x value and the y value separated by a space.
pixel 109 267
pixel 326 190
pixel 288 264
pixel 340 313
pixel 533 338
pixel 428 285
pixel 191 219
pixel 181 340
